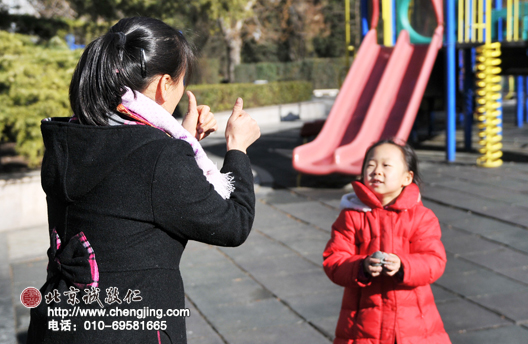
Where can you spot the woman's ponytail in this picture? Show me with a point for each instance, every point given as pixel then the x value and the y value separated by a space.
pixel 133 52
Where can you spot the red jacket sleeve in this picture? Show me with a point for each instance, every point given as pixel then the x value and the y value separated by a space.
pixel 341 259
pixel 426 261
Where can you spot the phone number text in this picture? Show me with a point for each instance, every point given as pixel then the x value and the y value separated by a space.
pixel 129 325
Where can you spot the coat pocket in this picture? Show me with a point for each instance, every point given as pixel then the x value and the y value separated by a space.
pixel 358 306
pixel 418 302
pixel 420 305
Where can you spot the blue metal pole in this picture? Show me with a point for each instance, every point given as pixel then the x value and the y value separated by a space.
pixel 526 100
pixel 470 20
pixel 451 80
pixel 498 7
pixel 469 82
pixel 460 83
pixel 520 101
pixel 485 20
pixel 364 18
pixel 461 69
pixel 499 108
pixel 394 28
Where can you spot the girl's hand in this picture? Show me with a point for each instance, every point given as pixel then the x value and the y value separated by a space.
pixel 393 266
pixel 241 130
pixel 199 120
pixel 371 266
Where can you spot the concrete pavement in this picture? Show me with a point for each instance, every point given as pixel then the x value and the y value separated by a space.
pixel 272 289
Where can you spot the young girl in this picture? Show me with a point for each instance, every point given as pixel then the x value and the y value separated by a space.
pixel 387 300
pixel 127 186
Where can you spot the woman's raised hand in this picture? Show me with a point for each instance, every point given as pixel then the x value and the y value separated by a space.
pixel 199 120
pixel 241 130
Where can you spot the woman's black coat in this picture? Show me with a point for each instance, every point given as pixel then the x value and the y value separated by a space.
pixel 138 196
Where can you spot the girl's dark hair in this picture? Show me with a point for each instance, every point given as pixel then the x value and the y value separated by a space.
pixel 408 154
pixel 133 52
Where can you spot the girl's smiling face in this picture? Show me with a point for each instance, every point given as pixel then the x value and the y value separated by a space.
pixel 386 172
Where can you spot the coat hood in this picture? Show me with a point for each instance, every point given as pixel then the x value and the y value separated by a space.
pixel 352 201
pixel 78 157
pixel 363 199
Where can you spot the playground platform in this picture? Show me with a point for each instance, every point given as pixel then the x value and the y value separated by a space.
pixel 272 289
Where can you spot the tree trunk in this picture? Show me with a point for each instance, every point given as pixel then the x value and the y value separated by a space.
pixel 233 41
pixel 357 26
pixel 232 32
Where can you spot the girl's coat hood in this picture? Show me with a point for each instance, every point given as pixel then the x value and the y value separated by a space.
pixel 362 199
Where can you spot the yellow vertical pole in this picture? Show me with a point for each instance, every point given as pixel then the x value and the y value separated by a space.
pixel 460 21
pixel 386 9
pixel 481 21
pixel 509 20
pixel 468 20
pixel 516 20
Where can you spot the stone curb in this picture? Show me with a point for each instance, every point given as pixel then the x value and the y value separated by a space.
pixel 7 315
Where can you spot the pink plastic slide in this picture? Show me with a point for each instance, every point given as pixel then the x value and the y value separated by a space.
pixel 379 99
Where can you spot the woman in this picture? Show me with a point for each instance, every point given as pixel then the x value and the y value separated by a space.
pixel 127 187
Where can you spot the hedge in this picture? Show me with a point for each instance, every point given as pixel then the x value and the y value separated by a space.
pixel 321 72
pixel 222 97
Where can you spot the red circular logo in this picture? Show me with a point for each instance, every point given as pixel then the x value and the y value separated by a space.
pixel 30 297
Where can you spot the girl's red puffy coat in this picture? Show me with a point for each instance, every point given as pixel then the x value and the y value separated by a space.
pixel 387 309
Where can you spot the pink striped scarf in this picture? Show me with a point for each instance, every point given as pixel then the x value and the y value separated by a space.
pixel 144 109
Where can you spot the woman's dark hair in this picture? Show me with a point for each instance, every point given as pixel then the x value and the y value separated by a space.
pixel 133 52
pixel 408 154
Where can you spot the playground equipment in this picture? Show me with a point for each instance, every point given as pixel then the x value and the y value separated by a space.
pixel 488 106
pixel 488 110
pixel 379 99
pixel 488 81
pixel 480 23
pixel 404 23
pixel 383 89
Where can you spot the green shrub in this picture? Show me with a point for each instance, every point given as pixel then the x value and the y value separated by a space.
pixel 246 72
pixel 34 84
pixel 321 72
pixel 268 71
pixel 221 97
pixel 84 31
